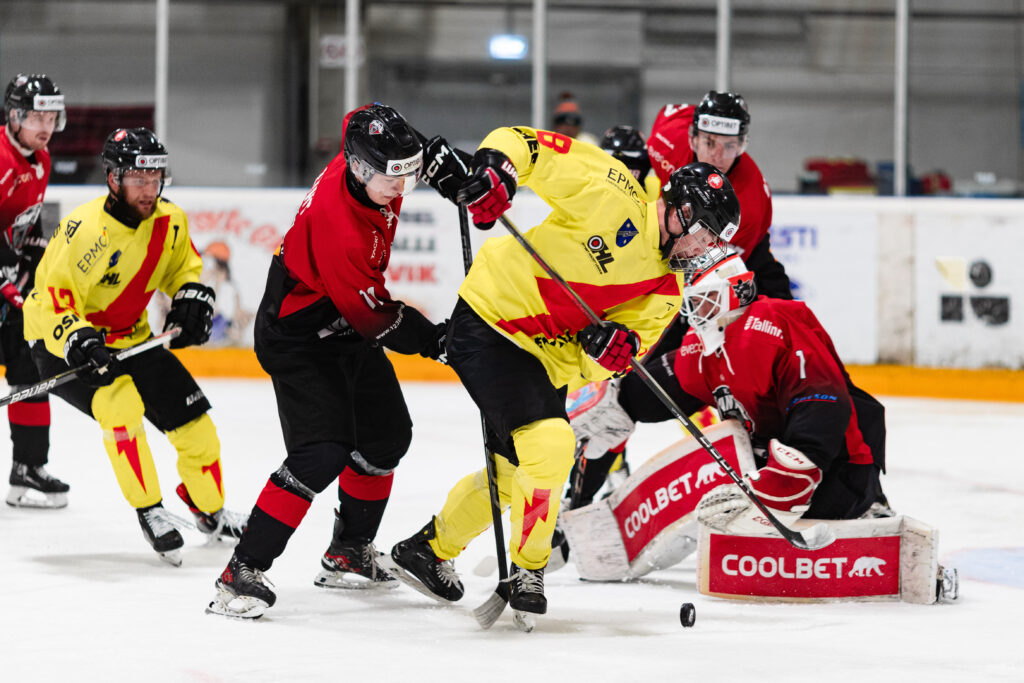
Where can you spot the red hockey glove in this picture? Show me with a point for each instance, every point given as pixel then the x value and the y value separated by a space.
pixel 489 191
pixel 610 344
pixel 11 293
pixel 788 480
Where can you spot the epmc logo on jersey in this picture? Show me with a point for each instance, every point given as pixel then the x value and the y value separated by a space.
pixel 770 567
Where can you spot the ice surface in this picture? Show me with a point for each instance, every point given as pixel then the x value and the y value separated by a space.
pixel 84 598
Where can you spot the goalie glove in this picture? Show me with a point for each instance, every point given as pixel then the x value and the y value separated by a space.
pixel 599 422
pixel 788 480
pixel 445 168
pixel 488 193
pixel 12 294
pixel 611 345
pixel 192 311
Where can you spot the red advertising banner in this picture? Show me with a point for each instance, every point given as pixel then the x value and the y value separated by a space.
pixel 771 567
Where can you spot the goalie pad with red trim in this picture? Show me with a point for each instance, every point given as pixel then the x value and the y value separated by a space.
pixel 649 521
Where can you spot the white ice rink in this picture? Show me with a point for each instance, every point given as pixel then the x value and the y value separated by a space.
pixel 84 598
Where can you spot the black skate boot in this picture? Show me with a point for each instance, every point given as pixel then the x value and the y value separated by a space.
pixel 526 590
pixel 33 487
pixel 160 532
pixel 559 547
pixel 352 564
pixel 220 524
pixel 242 592
pixel 420 568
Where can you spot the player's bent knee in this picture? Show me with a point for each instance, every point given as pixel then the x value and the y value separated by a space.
pixel 316 465
pixel 545 450
pixel 118 404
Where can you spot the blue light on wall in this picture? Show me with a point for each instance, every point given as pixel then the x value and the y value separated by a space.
pixel 508 46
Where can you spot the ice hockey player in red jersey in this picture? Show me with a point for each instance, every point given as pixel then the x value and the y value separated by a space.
pixel 768 363
pixel 34 111
pixel 321 330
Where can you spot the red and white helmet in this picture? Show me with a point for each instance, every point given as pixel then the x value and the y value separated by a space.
pixel 715 296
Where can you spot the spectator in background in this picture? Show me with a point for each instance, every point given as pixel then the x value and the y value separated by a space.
pixel 568 119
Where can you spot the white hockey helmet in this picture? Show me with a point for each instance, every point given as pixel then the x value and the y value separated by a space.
pixel 715 296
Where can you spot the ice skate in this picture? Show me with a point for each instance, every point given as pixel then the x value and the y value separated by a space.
pixel 418 566
pixel 242 592
pixel 879 509
pixel 526 590
pixel 559 548
pixel 34 487
pixel 217 525
pixel 353 565
pixel 160 532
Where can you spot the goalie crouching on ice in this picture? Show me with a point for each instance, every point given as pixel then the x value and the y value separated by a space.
pixel 771 370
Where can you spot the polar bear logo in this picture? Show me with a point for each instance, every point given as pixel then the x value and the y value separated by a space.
pixel 707 473
pixel 864 566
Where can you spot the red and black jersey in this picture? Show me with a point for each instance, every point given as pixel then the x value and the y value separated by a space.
pixel 22 187
pixel 327 280
pixel 668 146
pixel 779 374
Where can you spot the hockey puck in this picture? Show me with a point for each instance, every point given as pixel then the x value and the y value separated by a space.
pixel 687 614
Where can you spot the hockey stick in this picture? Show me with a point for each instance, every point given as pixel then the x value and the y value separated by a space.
pixel 68 375
pixel 488 612
pixel 818 536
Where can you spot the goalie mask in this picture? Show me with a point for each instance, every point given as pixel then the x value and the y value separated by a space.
pixel 715 297
pixel 703 201
pixel 382 150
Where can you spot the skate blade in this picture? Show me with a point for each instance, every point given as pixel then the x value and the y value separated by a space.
pixel 171 557
pixel 409 580
pixel 24 497
pixel 524 621
pixel 948 584
pixel 350 581
pixel 236 607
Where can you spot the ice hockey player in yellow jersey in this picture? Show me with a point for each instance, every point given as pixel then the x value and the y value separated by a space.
pixel 519 343
pixel 92 287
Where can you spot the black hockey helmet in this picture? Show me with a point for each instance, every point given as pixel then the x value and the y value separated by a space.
pixel 626 144
pixel 722 113
pixel 378 140
pixel 702 198
pixel 34 92
pixel 134 149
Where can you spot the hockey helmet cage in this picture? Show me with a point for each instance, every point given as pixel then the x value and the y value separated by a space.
pixel 378 140
pixel 702 198
pixel 716 296
pixel 626 144
pixel 34 92
pixel 722 113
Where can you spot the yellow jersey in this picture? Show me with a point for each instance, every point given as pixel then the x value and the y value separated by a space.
pixel 601 236
pixel 99 272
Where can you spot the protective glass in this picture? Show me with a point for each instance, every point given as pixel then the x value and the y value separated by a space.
pixel 29 119
pixel 150 178
pixel 697 248
pixel 403 180
pixel 724 146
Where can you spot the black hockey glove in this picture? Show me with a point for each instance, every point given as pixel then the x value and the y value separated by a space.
pixel 85 347
pixel 488 193
pixel 612 345
pixel 445 168
pixel 192 311
pixel 435 348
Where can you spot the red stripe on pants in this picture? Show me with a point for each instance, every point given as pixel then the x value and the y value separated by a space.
pixel 364 486
pixel 34 414
pixel 282 505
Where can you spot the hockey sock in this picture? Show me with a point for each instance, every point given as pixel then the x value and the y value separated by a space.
pixel 363 499
pixel 279 510
pixel 30 429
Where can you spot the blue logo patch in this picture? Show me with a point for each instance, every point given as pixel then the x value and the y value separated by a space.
pixel 626 233
pixel 114 258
